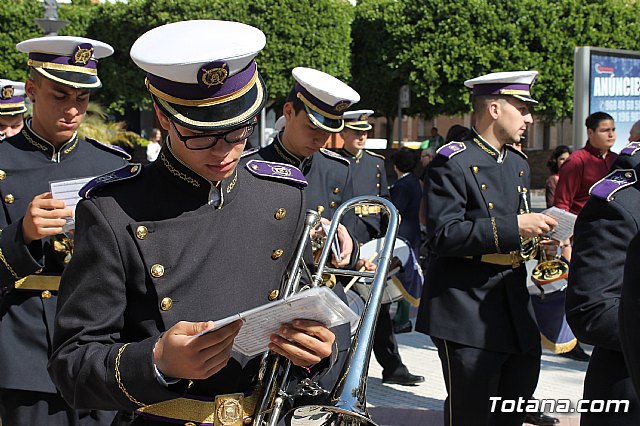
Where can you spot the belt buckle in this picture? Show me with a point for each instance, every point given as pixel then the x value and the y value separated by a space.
pixel 229 409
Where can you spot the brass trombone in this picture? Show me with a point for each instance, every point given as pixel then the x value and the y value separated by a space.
pixel 346 403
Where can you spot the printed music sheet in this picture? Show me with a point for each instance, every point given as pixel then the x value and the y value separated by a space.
pixel 318 303
pixel 68 191
pixel 566 221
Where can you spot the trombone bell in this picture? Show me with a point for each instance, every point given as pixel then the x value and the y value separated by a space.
pixel 325 415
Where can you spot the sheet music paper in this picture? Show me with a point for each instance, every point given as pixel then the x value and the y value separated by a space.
pixel 566 221
pixel 318 303
pixel 67 191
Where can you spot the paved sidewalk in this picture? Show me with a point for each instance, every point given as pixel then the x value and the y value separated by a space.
pixel 422 405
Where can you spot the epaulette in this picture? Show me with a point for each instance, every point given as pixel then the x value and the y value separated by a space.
pixel 522 154
pixel 451 149
pixel 276 171
pixel 249 152
pixel 612 183
pixel 127 172
pixel 334 155
pixel 631 148
pixel 375 154
pixel 110 148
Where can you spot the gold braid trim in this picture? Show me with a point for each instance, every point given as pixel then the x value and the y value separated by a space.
pixel 119 380
pixel 484 148
pixel 178 173
pixel 75 142
pixel 34 143
pixel 233 182
pixel 495 234
pixel 61 67
pixel 9 268
pixel 284 155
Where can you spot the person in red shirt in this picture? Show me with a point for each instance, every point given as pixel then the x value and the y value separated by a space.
pixel 587 165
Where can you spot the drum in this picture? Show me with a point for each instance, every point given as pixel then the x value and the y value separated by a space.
pixel 391 291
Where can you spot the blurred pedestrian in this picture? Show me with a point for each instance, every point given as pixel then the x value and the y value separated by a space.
pixel 155 145
pixel 558 157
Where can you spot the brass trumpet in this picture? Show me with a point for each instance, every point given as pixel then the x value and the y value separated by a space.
pixel 547 270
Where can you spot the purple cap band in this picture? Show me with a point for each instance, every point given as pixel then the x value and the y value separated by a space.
pixel 495 88
pixel 13 100
pixel 63 60
pixel 329 109
pixel 195 91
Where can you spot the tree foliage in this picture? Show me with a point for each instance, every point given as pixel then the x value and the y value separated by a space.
pixel 435 45
pixel 313 33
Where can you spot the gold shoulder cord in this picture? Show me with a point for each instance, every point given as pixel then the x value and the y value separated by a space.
pixel 9 268
pixel 119 380
pixel 495 234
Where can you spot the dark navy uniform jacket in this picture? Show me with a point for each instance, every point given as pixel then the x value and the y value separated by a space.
pixel 369 178
pixel 472 205
pixel 329 184
pixel 328 175
pixel 602 233
pixel 27 164
pixel 406 195
pixel 630 312
pixel 161 253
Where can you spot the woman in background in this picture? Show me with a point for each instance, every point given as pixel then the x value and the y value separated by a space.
pixel 559 156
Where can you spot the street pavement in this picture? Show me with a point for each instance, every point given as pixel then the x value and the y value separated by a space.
pixel 394 405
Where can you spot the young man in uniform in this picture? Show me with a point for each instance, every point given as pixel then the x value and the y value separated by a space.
pixel 12 108
pixel 191 238
pixel 370 178
pixel 313 112
pixel 34 247
pixel 475 305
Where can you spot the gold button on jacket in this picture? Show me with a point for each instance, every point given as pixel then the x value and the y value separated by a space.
pixel 274 295
pixel 276 254
pixel 157 270
pixel 142 232
pixel 9 199
pixel 166 304
pixel 280 214
pixel 3 175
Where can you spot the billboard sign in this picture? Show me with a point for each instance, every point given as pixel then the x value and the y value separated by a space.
pixel 606 80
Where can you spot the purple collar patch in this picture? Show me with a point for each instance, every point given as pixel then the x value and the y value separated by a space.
pixel 277 171
pixel 612 183
pixel 451 149
pixel 631 148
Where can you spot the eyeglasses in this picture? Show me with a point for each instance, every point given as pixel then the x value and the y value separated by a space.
pixel 203 141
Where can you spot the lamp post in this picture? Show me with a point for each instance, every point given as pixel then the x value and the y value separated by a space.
pixel 50 24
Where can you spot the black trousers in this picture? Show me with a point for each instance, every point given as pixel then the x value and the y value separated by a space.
pixel 26 408
pixel 607 378
pixel 385 346
pixel 474 375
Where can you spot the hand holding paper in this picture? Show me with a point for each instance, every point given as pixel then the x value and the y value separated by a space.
pixel 68 191
pixel 44 217
pixel 566 221
pixel 318 304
